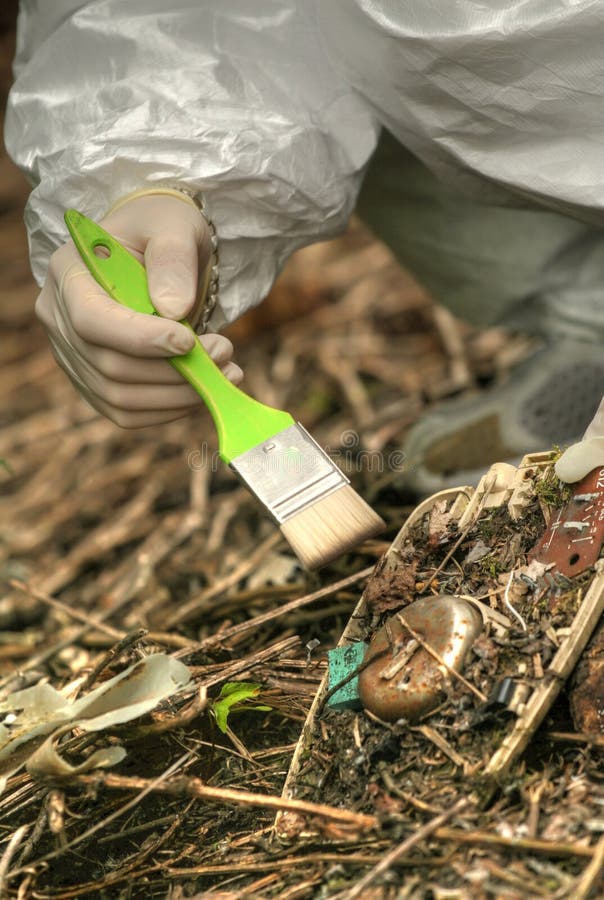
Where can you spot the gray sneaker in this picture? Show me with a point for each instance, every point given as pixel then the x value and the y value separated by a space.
pixel 549 399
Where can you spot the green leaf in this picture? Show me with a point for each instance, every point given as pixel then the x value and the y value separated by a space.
pixel 234 696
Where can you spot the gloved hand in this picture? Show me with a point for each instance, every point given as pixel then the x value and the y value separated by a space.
pixel 114 356
pixel 584 456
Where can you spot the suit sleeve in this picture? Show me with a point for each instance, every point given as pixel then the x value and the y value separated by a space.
pixel 236 101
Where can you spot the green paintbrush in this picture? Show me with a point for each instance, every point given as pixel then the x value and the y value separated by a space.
pixel 302 489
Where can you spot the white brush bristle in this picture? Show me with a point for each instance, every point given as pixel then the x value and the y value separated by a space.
pixel 330 527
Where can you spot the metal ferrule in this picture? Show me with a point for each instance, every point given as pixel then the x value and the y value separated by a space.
pixel 288 472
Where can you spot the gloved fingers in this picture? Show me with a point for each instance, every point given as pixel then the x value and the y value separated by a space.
pixel 99 320
pixel 109 379
pixel 141 397
pixel 117 399
pixel 45 305
pixel 129 418
pixel 583 457
pixel 114 355
pixel 137 370
pixel 218 347
pixel 122 398
pixel 132 419
pixel 171 262
pixel 233 373
pixel 580 459
pixel 124 393
pixel 128 369
pixel 175 241
pixel 120 394
pixel 119 405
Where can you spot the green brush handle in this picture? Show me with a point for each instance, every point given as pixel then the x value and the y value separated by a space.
pixel 240 421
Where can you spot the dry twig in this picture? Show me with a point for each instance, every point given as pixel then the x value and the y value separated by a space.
pixel 399 852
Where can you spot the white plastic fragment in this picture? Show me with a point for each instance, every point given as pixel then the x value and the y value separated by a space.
pixel 45 762
pixel 277 568
pixel 31 715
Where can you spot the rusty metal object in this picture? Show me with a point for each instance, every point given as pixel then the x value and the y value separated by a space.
pixel 573 540
pixel 405 681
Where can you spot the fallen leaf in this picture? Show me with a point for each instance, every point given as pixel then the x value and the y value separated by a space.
pixel 438 523
pixel 391 589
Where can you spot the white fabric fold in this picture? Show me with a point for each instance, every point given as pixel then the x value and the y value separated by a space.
pixel 272 109
pixel 240 102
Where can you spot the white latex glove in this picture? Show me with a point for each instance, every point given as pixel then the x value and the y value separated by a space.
pixel 114 356
pixel 586 455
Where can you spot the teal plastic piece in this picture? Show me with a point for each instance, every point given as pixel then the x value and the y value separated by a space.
pixel 342 661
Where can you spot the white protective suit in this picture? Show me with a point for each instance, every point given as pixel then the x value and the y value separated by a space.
pixel 273 108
